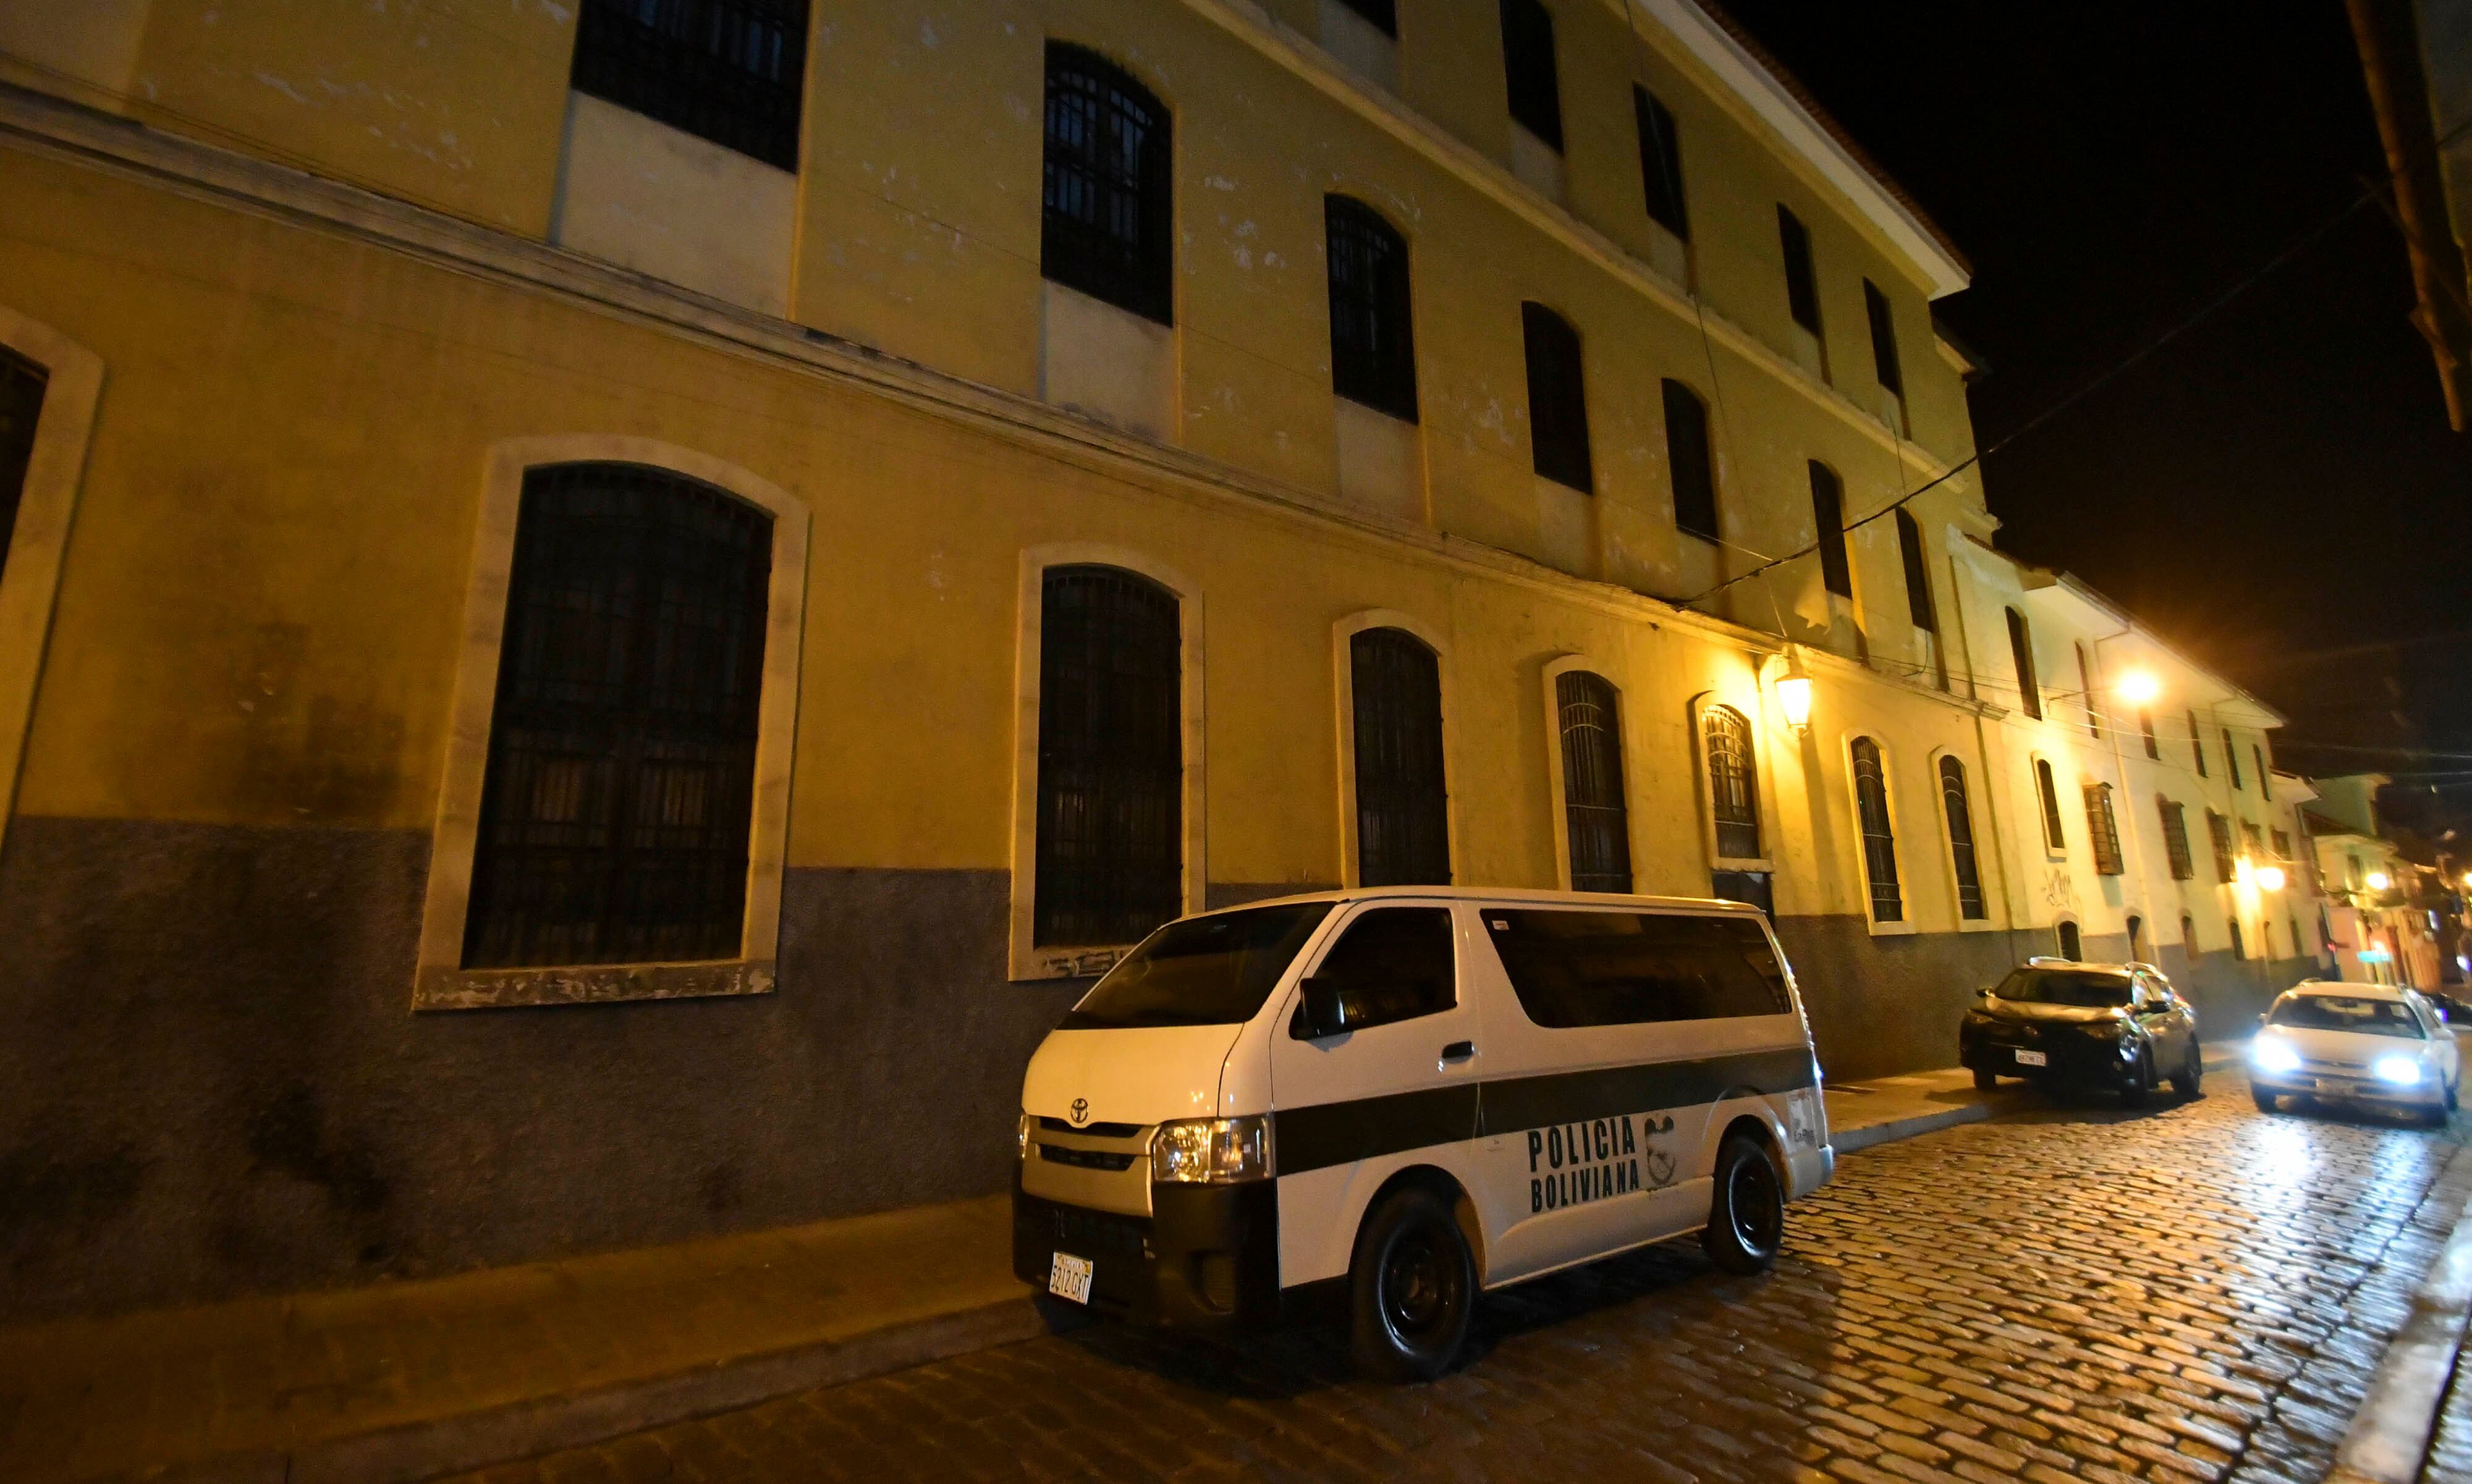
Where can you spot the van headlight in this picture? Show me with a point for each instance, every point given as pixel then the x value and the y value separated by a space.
pixel 2400 1071
pixel 2275 1056
pixel 1212 1151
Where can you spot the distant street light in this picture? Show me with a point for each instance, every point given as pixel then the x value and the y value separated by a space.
pixel 2380 880
pixel 2269 878
pixel 2139 687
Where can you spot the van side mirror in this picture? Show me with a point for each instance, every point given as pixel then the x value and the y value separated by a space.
pixel 1323 1009
pixel 1985 993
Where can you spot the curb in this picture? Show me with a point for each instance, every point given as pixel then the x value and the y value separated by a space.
pixel 1851 1140
pixel 2390 1436
pixel 414 1451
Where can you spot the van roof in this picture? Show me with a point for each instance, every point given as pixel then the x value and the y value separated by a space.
pixel 2347 989
pixel 1505 895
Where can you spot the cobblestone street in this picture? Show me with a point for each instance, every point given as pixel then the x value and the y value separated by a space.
pixel 2192 1293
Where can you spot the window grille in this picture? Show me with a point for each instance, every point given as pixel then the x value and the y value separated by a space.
pixel 1733 784
pixel 2220 829
pixel 2102 829
pixel 2154 744
pixel 2021 652
pixel 2048 790
pixel 1372 343
pixel 730 71
pixel 1599 820
pixel 1690 463
pixel 1879 840
pixel 2086 693
pixel 1110 188
pixel 620 783
pixel 2197 744
pixel 1802 283
pixel 1384 15
pixel 1528 65
pixel 1402 807
pixel 1918 593
pixel 1110 848
pixel 2231 758
pixel 1960 839
pixel 2176 839
pixel 1884 339
pixel 21 403
pixel 1660 162
pixel 1829 515
pixel 1557 400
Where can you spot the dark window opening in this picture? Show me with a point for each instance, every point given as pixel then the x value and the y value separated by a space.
pixel 1391 964
pixel 1109 227
pixel 1960 839
pixel 2197 744
pixel 1733 784
pixel 1829 515
pixel 2219 830
pixel 619 790
pixel 2238 950
pixel 1660 162
pixel 1690 463
pixel 730 71
pixel 2049 792
pixel 1596 814
pixel 1802 283
pixel 2154 744
pixel 2231 758
pixel 2021 652
pixel 2072 946
pixel 1402 802
pixel 1579 968
pixel 1110 820
pixel 1754 888
pixel 1918 593
pixel 2086 693
pixel 2176 839
pixel 2102 829
pixel 1373 343
pixel 1884 339
pixel 1528 65
pixel 21 405
pixel 2265 790
pixel 1879 838
pixel 1557 402
pixel 1383 13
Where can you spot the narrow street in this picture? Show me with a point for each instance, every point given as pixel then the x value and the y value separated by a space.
pixel 2196 1292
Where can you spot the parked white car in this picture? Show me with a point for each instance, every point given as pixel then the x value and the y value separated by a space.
pixel 2371 1045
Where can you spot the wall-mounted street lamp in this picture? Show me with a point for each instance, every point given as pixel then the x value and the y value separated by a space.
pixel 1793 694
pixel 2379 880
pixel 2269 878
pixel 2139 687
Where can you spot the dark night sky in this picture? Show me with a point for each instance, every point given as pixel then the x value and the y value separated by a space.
pixel 2281 480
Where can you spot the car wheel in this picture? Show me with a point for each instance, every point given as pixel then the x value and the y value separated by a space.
pixel 2192 1073
pixel 1746 1216
pixel 2264 1099
pixel 1412 1289
pixel 1985 1081
pixel 2140 1085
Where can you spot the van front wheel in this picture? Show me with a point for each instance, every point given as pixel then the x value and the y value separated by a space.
pixel 1412 1289
pixel 1746 1220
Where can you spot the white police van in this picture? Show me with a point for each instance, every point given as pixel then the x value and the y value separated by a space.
pixel 1397 1097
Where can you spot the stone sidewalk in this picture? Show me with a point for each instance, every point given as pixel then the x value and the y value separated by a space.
pixel 408 1381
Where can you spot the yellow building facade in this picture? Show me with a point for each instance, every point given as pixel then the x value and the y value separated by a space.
pixel 1077 460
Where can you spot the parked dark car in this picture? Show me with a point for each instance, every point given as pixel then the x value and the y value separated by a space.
pixel 2115 1027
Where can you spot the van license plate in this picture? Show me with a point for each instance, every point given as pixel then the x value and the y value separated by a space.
pixel 2032 1059
pixel 1068 1276
pixel 2338 1087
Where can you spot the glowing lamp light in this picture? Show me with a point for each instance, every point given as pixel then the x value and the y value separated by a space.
pixel 2244 872
pixel 2269 878
pixel 2140 688
pixel 2380 880
pixel 2467 880
pixel 1793 694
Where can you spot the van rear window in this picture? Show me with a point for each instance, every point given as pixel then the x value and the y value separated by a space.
pixel 1203 971
pixel 1633 968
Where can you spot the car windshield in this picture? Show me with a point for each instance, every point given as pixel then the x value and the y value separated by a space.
pixel 2083 988
pixel 2347 1012
pixel 1203 971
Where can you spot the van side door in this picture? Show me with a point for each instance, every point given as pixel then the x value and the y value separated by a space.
pixel 1398 1084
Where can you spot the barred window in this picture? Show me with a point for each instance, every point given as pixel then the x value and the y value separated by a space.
pixel 1960 839
pixel 2231 758
pixel 1373 342
pixel 2219 830
pixel 1918 593
pixel 1828 516
pixel 21 403
pixel 2176 839
pixel 1660 162
pixel 2048 789
pixel 1690 462
pixel 1402 805
pixel 1879 838
pixel 2197 744
pixel 1598 818
pixel 2021 652
pixel 1733 784
pixel 2102 829
pixel 1884 339
pixel 1110 848
pixel 1110 229
pixel 619 790
pixel 1557 400
pixel 1528 66
pixel 730 71
pixel 1802 282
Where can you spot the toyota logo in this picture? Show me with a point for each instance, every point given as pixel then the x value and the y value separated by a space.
pixel 1081 1110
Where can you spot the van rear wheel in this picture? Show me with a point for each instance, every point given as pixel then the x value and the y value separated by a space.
pixel 1411 1289
pixel 1746 1220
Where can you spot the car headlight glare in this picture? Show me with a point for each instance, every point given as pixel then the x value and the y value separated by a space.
pixel 2275 1056
pixel 2401 1071
pixel 1212 1151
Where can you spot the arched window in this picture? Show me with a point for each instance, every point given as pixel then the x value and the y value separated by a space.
pixel 2264 789
pixel 2238 950
pixel 1828 517
pixel 1918 591
pixel 1528 68
pixel 1110 229
pixel 1690 462
pixel 1596 816
pixel 1960 839
pixel 1557 401
pixel 1879 838
pixel 1111 846
pixel 1402 802
pixel 2231 758
pixel 2137 952
pixel 2154 744
pixel 2071 944
pixel 1372 345
pixel 1660 161
pixel 619 788
pixel 2021 650
pixel 1733 784
pixel 2197 744
pixel 2049 792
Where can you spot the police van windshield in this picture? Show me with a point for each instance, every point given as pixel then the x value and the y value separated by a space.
pixel 2343 1012
pixel 1204 971
pixel 2064 986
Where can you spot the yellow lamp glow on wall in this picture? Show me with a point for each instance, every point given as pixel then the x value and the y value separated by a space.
pixel 2139 687
pixel 2269 878
pixel 1793 695
pixel 2380 880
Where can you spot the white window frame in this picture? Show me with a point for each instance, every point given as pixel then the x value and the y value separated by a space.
pixel 1985 861
pixel 1696 717
pixel 1342 672
pixel 1897 834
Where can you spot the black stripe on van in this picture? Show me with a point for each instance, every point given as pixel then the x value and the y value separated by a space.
pixel 1365 1128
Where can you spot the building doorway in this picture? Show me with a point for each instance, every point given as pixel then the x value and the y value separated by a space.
pixel 2070 944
